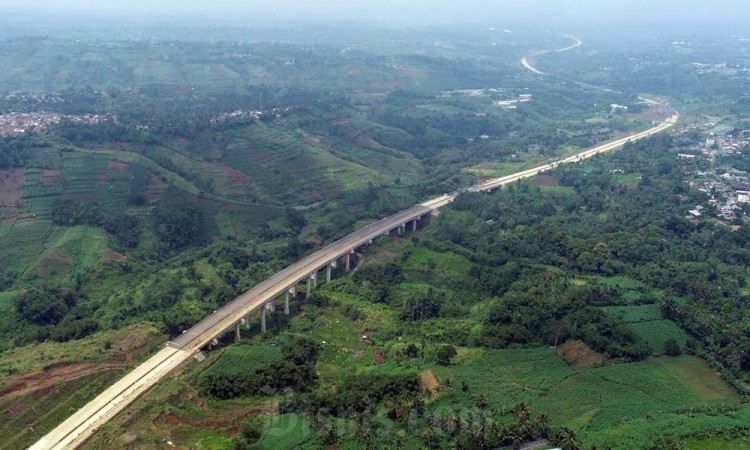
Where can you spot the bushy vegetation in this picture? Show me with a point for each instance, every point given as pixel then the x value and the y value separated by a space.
pixel 293 370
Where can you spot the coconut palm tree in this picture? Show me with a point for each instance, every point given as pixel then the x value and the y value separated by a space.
pixel 565 438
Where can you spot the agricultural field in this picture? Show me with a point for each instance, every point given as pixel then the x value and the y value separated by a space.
pixel 286 168
pixel 647 322
pixel 624 404
pixel 244 358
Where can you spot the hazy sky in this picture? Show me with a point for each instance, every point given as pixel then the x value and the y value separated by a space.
pixel 414 12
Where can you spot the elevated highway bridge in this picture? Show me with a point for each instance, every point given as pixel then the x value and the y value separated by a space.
pixel 86 421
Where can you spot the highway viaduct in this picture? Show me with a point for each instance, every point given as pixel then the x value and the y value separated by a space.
pixel 86 421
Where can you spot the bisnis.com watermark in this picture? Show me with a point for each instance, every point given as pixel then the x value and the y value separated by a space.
pixel 378 422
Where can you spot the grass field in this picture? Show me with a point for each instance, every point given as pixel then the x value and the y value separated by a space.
pixel 625 283
pixel 344 348
pixel 655 333
pixel 130 341
pixel 7 314
pixel 288 431
pixel 451 264
pixel 719 443
pixel 6 301
pixel 636 313
pixel 77 250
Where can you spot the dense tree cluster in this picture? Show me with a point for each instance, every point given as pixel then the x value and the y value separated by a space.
pixel 53 313
pixel 177 221
pixel 295 371
pixel 125 228
pixel 16 151
pixel 600 227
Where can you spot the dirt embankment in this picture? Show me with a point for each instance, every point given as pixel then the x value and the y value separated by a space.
pixel 30 382
pixel 580 356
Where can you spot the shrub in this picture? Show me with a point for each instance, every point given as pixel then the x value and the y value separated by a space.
pixel 672 348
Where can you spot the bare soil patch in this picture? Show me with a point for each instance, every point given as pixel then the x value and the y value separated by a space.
pixel 102 179
pixel 226 420
pixel 13 217
pixel 377 357
pixel 428 381
pixel 155 188
pixel 544 180
pixel 57 262
pixel 367 142
pixel 51 177
pixel 11 181
pixel 117 166
pixel 262 158
pixel 111 255
pixel 315 141
pixel 580 356
pixel 236 175
pixel 81 197
pixel 226 206
pixel 630 185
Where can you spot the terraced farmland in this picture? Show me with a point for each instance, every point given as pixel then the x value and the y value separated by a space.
pixel 284 167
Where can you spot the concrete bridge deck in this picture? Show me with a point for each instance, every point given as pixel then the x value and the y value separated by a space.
pixel 210 327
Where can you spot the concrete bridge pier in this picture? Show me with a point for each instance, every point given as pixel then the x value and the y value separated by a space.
pixel 246 319
pixel 237 334
pixel 286 303
pixel 348 261
pixel 308 287
pixel 414 224
pixel 263 319
pixel 329 268
pixel 314 278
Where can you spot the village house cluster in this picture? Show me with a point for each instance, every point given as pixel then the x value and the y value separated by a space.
pixel 727 187
pixel 13 124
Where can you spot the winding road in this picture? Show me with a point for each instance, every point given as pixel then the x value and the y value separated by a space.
pixel 525 60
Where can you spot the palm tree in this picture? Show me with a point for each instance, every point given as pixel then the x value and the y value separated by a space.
pixel 543 425
pixel 452 424
pixel 566 438
pixel 428 433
